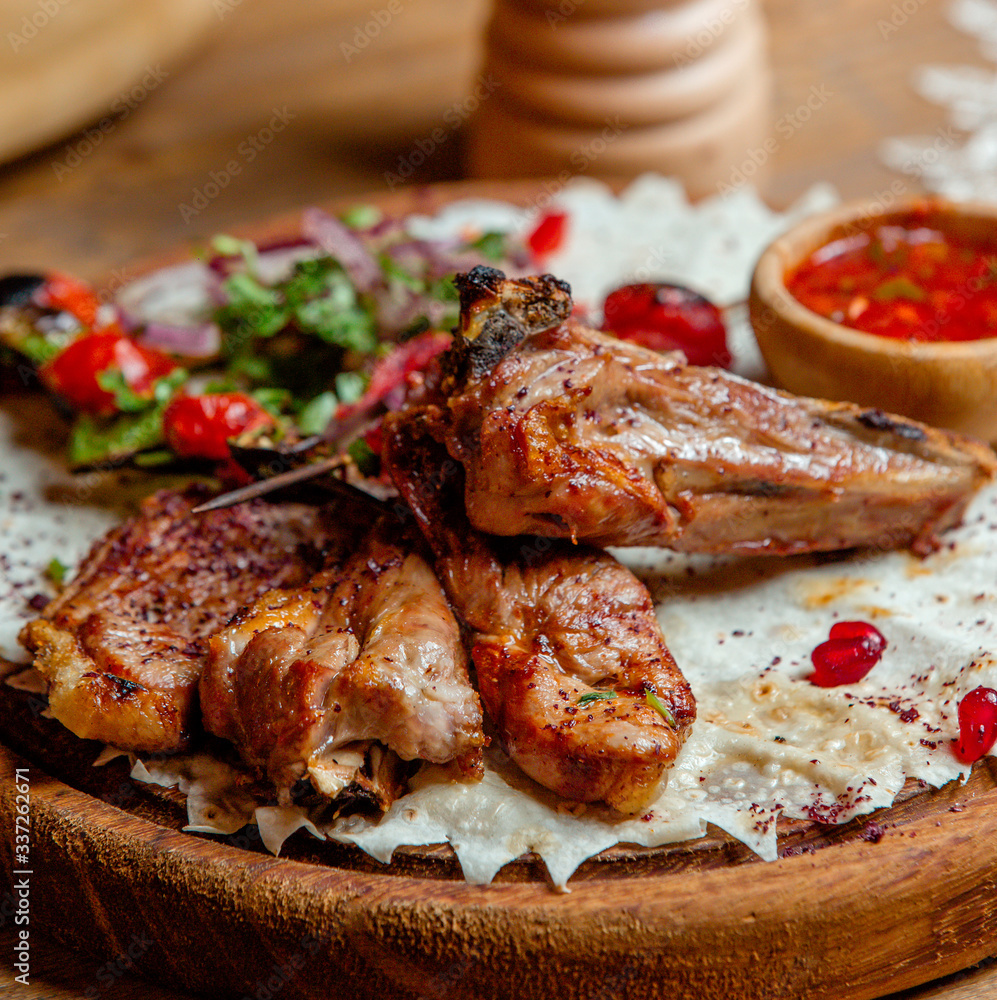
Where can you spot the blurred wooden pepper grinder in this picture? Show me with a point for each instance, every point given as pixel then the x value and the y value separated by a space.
pixel 610 88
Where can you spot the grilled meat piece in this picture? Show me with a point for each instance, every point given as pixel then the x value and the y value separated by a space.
pixel 123 646
pixel 368 650
pixel 568 432
pixel 569 656
pixel 359 777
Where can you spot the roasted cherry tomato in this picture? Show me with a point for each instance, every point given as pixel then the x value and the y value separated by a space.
pixel 668 318
pixel 201 426
pixel 68 294
pixel 73 373
pixel 548 234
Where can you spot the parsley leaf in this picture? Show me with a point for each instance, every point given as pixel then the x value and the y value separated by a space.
pixel 362 216
pixel 367 461
pixel 661 708
pixel 315 417
pixel 56 572
pixel 94 441
pixel 491 246
pixel 39 348
pixel 590 696
pixel 350 386
pixel 232 246
pixel 126 400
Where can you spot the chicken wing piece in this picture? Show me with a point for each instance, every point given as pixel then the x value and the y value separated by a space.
pixel 568 432
pixel 572 668
pixel 123 646
pixel 367 651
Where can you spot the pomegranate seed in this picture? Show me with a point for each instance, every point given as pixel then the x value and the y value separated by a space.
pixel 853 649
pixel 977 725
pixel 860 630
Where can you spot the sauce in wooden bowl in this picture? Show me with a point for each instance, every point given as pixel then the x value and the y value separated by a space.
pixel 906 278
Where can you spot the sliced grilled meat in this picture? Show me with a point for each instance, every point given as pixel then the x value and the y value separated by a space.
pixel 123 646
pixel 368 651
pixel 570 659
pixel 568 432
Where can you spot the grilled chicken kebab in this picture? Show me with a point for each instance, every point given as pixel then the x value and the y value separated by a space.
pixel 353 665
pixel 568 432
pixel 571 664
pixel 123 646
pixel 366 652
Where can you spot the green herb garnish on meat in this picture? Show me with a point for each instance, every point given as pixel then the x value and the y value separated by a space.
pixel 661 708
pixel 591 696
pixel 56 572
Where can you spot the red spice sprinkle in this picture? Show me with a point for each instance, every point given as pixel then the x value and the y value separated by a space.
pixel 977 725
pixel 852 650
pixel 872 832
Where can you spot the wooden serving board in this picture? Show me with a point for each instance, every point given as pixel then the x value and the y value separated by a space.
pixel 852 913
pixel 881 904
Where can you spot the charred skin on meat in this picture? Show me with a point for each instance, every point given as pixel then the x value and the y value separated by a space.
pixel 121 649
pixel 569 432
pixel 366 652
pixel 569 656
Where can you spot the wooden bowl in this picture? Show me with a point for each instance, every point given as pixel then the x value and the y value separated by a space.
pixel 947 384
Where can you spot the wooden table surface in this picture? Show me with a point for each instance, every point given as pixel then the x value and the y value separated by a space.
pixel 349 116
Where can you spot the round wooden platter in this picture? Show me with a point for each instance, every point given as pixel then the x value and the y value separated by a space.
pixel 853 912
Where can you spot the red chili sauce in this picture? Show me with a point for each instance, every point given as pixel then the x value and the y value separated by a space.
pixel 905 280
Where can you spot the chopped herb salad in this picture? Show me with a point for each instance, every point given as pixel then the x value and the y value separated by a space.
pixel 252 345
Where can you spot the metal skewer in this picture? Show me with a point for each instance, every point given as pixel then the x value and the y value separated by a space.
pixel 264 486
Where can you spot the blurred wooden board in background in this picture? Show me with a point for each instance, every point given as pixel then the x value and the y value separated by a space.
pixel 89 61
pixel 360 96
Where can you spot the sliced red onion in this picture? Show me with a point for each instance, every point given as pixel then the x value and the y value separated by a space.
pixel 274 261
pixel 181 296
pixel 340 242
pixel 385 227
pixel 286 243
pixel 201 341
pixel 169 309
